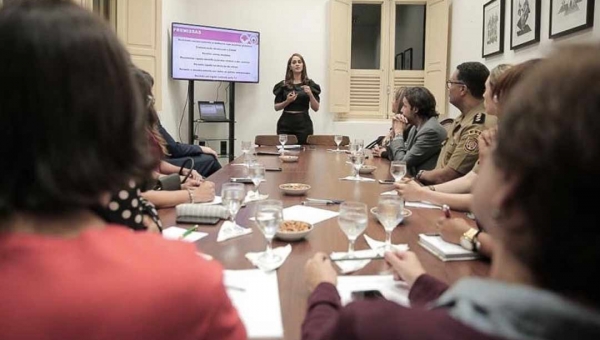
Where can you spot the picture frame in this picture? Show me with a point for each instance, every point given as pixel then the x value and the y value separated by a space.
pixel 492 40
pixel 399 61
pixel 569 16
pixel 407 63
pixel 525 18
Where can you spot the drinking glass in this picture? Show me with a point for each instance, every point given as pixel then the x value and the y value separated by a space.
pixel 338 140
pixel 389 214
pixel 283 139
pixel 398 170
pixel 246 146
pixel 353 222
pixel 233 195
pixel 257 174
pixel 358 159
pixel 360 144
pixel 269 214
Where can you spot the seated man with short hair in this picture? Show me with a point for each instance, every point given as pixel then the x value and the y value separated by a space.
pixel 461 149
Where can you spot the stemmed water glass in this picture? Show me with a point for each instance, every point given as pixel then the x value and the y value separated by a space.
pixel 398 170
pixel 353 222
pixel 268 215
pixel 358 159
pixel 233 195
pixel 389 214
pixel 283 139
pixel 257 174
pixel 338 140
pixel 246 146
pixel 360 144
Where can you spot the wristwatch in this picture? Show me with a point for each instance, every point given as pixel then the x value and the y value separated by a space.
pixel 469 240
pixel 419 174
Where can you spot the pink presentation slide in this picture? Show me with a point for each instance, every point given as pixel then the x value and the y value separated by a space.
pixel 217 54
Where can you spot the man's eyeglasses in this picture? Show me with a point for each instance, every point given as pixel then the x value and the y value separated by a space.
pixel 450 82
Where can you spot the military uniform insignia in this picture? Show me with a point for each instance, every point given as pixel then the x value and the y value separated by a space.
pixel 471 144
pixel 479 118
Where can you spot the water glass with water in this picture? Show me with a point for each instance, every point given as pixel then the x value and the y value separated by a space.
pixel 353 222
pixel 257 175
pixel 338 140
pixel 398 170
pixel 268 215
pixel 389 214
pixel 283 139
pixel 233 195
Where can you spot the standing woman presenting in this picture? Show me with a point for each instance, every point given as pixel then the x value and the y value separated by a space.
pixel 294 96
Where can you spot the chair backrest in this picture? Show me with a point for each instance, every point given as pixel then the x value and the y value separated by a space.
pixel 271 140
pixel 447 123
pixel 328 140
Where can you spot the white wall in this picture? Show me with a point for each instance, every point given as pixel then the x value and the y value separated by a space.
pixel 465 45
pixel 286 27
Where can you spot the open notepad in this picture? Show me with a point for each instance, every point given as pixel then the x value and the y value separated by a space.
pixel 445 251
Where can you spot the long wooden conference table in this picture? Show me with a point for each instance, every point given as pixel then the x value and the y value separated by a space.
pixel 322 170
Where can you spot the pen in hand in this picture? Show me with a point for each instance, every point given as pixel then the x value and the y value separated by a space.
pixel 446 210
pixel 189 231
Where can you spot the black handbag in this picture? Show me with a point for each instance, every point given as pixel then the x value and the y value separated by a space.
pixel 172 182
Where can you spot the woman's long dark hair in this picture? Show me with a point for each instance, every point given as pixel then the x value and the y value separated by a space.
pixel 289 74
pixel 145 82
pixel 72 117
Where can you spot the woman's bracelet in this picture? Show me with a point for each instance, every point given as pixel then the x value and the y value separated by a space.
pixel 191 193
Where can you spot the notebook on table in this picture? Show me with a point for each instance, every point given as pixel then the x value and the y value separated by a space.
pixel 212 111
pixel 446 251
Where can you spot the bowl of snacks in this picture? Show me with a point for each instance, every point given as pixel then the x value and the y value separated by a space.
pixel 294 188
pixel 290 230
pixel 367 169
pixel 288 158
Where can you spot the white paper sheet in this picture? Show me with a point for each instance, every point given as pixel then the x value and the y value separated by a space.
pixel 396 291
pixel 255 294
pixel 308 214
pixel 217 200
pixel 174 233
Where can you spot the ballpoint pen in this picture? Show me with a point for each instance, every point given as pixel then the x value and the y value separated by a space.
pixel 378 257
pixel 189 231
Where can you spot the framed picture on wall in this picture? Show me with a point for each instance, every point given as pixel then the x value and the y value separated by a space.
pixel 524 22
pixel 407 59
pixel 493 28
pixel 568 16
pixel 399 62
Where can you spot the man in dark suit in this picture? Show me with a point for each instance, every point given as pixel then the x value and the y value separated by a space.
pixel 205 158
pixel 421 148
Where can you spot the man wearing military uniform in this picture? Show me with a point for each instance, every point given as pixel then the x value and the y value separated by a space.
pixel 461 151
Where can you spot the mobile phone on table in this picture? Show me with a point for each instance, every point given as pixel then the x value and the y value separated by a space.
pixel 366 295
pixel 273 169
pixel 244 180
pixel 386 181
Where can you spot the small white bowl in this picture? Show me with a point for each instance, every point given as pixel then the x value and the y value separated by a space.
pixel 288 158
pixel 367 169
pixel 294 235
pixel 294 188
